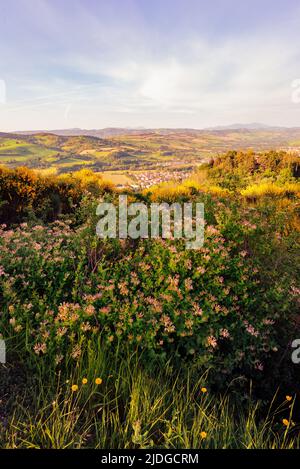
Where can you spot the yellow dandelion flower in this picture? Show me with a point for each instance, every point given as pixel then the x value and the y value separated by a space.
pixel 84 381
pixel 204 390
pixel 288 398
pixel 285 422
pixel 98 381
pixel 74 387
pixel 203 435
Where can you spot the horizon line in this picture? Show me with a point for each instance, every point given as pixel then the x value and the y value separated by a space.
pixel 234 126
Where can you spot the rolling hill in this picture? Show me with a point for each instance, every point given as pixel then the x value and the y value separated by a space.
pixel 135 149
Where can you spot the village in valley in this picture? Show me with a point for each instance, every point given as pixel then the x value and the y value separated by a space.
pixel 145 179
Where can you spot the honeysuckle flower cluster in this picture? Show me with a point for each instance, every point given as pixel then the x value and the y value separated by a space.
pixel 157 297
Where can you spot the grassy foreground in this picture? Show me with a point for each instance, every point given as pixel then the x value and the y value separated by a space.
pixel 114 402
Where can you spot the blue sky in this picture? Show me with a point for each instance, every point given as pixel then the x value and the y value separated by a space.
pixel 142 63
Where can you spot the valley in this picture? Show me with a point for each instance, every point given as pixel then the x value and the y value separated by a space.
pixel 134 157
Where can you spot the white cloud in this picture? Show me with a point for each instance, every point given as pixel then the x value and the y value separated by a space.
pixel 109 74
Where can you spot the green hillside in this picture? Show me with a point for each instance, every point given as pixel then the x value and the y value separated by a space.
pixel 150 149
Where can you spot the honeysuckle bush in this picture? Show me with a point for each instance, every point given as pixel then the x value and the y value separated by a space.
pixel 62 288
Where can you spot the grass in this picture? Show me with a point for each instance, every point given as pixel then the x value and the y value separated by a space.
pixel 134 407
pixel 117 177
pixel 11 149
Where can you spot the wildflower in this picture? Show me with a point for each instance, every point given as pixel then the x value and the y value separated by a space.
pixel 204 390
pixel 58 359
pixel 85 326
pixel 268 322
pixel 203 435
pixel 201 270
pixel 288 398
pixel 189 323
pixel 225 333
pixel 84 381
pixel 98 380
pixel 198 310
pixel 123 288
pixel 259 366
pixel 76 352
pixel 61 331
pixel 90 310
pixel 285 422
pixel 188 284
pixel 212 341
pixel 74 387
pixel 105 310
pixel 250 329
pixel 40 348
pixel 12 321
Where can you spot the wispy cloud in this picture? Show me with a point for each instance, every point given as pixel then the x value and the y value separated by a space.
pixel 101 65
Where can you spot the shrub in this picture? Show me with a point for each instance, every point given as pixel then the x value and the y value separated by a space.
pixel 62 289
pixel 168 192
pixel 269 189
pixel 29 193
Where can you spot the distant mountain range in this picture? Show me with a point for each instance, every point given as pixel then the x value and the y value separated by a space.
pixel 117 131
pixel 251 126
pixel 75 132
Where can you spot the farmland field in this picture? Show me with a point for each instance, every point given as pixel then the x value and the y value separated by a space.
pixel 122 153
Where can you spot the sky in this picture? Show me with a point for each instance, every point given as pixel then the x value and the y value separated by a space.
pixel 141 63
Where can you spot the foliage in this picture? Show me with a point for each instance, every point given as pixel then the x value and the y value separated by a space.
pixel 62 287
pixel 270 189
pixel 25 192
pixel 235 170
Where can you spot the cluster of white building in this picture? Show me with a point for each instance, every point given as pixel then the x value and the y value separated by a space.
pixel 151 178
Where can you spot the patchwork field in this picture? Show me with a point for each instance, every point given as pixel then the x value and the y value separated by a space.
pixel 137 150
